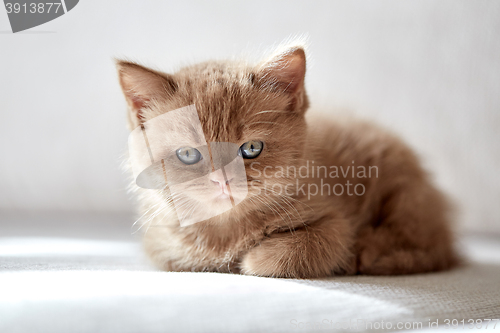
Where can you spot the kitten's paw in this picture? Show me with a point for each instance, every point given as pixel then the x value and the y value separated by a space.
pixel 261 261
pixel 292 255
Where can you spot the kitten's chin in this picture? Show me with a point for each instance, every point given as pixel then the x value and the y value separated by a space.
pixel 191 209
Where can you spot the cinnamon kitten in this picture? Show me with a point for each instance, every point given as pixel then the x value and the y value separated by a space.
pixel 324 196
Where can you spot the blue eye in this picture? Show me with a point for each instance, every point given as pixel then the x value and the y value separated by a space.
pixel 188 155
pixel 251 149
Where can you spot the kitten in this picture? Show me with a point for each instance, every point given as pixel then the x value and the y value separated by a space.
pixel 325 196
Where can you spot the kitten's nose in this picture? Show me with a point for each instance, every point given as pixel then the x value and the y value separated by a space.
pixel 221 183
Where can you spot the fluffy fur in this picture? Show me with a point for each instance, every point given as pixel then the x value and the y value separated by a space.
pixel 399 225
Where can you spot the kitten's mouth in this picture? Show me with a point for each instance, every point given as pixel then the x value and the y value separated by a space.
pixel 222 196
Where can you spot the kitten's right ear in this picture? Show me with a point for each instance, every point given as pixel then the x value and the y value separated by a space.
pixel 285 72
pixel 141 85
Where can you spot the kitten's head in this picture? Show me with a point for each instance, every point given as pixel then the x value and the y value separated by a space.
pixel 257 110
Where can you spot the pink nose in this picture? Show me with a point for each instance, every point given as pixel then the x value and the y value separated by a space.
pixel 222 183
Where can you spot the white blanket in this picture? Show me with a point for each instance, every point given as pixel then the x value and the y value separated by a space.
pixel 69 284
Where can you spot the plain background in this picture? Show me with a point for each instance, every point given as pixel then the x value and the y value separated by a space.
pixel 428 70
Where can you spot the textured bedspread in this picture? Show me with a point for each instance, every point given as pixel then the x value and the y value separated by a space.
pixel 88 274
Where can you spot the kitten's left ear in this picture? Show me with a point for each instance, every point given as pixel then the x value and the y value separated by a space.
pixel 140 86
pixel 286 72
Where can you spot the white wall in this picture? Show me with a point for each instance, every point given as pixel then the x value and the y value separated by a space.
pixel 430 70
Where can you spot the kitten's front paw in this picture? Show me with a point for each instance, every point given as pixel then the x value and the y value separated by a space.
pixel 292 255
pixel 261 261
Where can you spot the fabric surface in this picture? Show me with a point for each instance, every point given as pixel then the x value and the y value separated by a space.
pixel 105 284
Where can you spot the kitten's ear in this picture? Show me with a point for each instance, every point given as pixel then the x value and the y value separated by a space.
pixel 286 71
pixel 140 86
